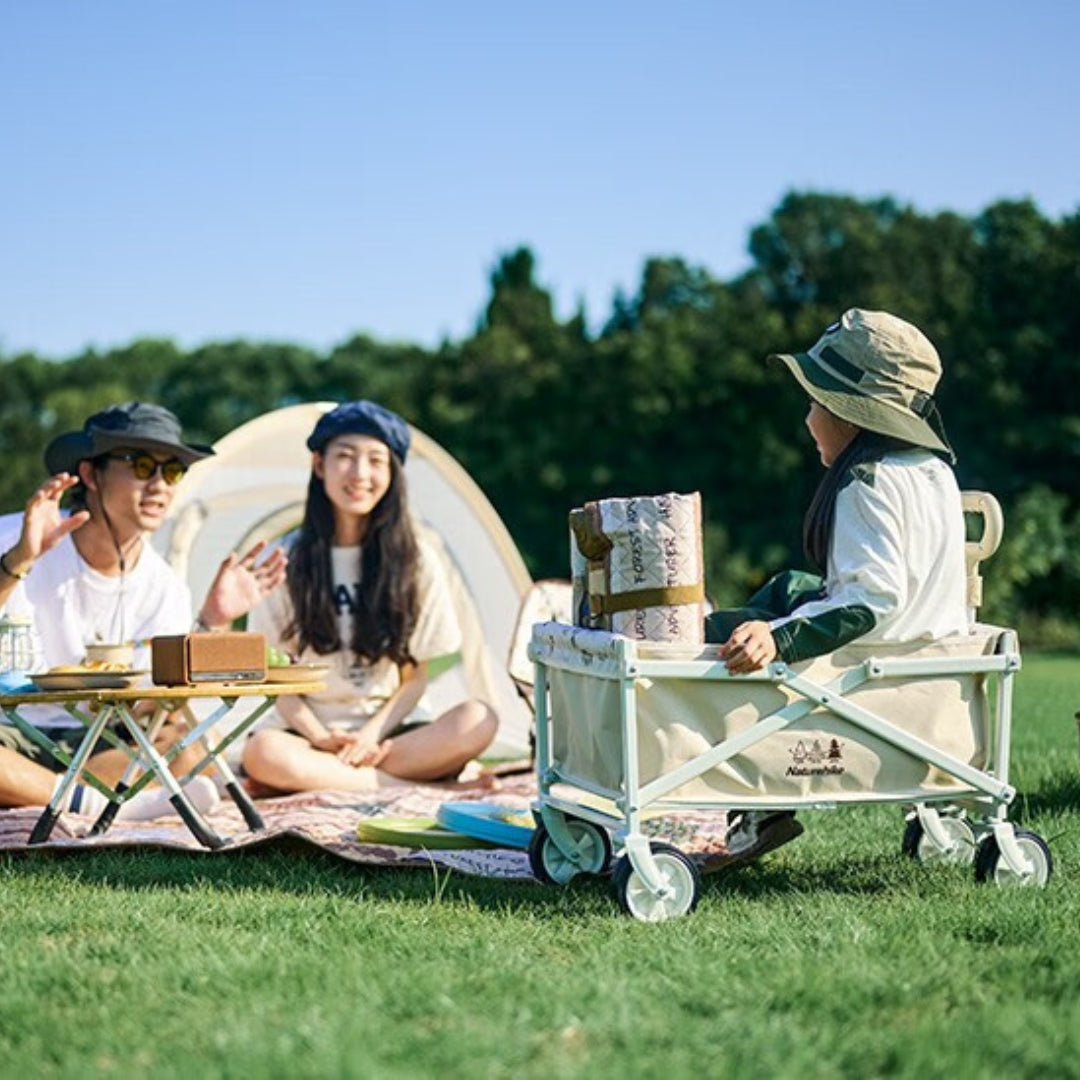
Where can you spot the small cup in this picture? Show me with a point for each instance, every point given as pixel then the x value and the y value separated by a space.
pixel 123 654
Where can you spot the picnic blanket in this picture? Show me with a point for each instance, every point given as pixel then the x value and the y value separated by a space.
pixel 328 819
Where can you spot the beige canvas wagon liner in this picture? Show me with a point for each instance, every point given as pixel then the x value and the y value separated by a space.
pixel 868 722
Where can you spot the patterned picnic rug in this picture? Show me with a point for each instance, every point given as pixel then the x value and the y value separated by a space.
pixel 328 820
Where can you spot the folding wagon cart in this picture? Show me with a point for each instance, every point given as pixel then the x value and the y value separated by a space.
pixel 625 727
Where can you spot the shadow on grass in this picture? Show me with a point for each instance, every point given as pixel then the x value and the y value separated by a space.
pixel 300 871
pixel 1060 796
pixel 290 867
pixel 293 868
pixel 865 877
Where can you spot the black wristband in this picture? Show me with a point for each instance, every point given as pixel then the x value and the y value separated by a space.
pixel 10 573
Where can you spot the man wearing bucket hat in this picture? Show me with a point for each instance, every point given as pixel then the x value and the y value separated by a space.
pixel 884 531
pixel 91 575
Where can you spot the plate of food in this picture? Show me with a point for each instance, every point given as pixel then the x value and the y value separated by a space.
pixel 91 675
pixel 290 673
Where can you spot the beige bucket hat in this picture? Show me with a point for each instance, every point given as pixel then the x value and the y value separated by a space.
pixel 878 372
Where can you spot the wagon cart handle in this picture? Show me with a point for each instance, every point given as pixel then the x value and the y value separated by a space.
pixel 988 508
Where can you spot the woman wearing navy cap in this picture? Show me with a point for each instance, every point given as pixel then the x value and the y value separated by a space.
pixel 366 595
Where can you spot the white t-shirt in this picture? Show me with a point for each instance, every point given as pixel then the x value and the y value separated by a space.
pixel 355 689
pixel 71 605
pixel 898 549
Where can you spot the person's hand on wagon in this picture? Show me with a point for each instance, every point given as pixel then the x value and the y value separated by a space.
pixel 240 584
pixel 750 647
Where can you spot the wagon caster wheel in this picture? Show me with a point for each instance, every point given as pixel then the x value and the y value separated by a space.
pixel 551 866
pixel 919 844
pixel 679 874
pixel 990 864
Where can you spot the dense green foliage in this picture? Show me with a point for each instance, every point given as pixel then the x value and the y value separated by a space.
pixel 834 957
pixel 672 393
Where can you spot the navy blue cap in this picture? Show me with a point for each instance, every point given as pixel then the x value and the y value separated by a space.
pixel 362 418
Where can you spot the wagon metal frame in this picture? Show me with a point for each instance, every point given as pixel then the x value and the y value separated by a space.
pixel 582 818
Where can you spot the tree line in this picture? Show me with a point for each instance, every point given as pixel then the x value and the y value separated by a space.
pixel 672 393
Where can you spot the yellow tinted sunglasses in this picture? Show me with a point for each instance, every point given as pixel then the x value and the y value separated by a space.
pixel 146 467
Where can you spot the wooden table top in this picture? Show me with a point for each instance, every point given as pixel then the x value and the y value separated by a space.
pixel 115 695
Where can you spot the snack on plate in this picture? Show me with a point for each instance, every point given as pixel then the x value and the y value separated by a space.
pixel 276 658
pixel 87 665
pixel 120 653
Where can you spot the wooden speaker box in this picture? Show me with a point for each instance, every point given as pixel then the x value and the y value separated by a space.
pixel 230 657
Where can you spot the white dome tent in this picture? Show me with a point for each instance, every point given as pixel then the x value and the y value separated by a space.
pixel 254 488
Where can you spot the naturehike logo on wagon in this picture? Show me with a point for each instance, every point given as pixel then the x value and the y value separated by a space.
pixel 814 759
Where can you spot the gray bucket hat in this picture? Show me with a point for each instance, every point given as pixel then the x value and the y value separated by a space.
pixel 878 372
pixel 133 424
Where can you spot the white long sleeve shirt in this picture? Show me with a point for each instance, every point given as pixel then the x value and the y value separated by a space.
pixel 897 550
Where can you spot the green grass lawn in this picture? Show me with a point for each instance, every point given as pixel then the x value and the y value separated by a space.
pixel 833 957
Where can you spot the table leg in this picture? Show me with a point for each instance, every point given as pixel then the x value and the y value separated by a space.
pixel 199 827
pixel 233 786
pixel 108 815
pixel 44 825
pixel 245 804
pixel 215 757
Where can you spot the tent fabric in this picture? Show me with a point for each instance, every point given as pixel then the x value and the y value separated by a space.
pixel 546 601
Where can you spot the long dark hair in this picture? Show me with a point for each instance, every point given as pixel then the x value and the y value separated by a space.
pixel 388 601
pixel 866 447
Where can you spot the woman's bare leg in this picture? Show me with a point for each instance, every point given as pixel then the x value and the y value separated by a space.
pixel 442 748
pixel 288 762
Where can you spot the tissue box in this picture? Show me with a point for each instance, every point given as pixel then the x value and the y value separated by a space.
pixel 183 659
pixel 637 569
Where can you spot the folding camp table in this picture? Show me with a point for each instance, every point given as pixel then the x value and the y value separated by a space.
pixel 104 712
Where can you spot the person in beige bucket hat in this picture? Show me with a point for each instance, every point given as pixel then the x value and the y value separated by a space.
pixel 884 532
pixel 876 372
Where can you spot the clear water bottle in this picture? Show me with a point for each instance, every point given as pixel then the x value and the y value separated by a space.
pixel 16 644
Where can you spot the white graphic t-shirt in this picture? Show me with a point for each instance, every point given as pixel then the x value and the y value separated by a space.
pixel 356 689
pixel 71 606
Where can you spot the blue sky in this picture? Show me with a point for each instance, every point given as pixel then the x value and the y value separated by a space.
pixel 303 171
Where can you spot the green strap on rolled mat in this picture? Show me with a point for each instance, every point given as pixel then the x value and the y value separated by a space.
pixel 664 596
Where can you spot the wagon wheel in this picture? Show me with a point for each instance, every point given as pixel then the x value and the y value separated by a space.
pixel 677 872
pixel 591 854
pixel 991 866
pixel 918 844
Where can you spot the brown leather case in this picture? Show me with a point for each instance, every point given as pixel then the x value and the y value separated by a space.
pixel 231 657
